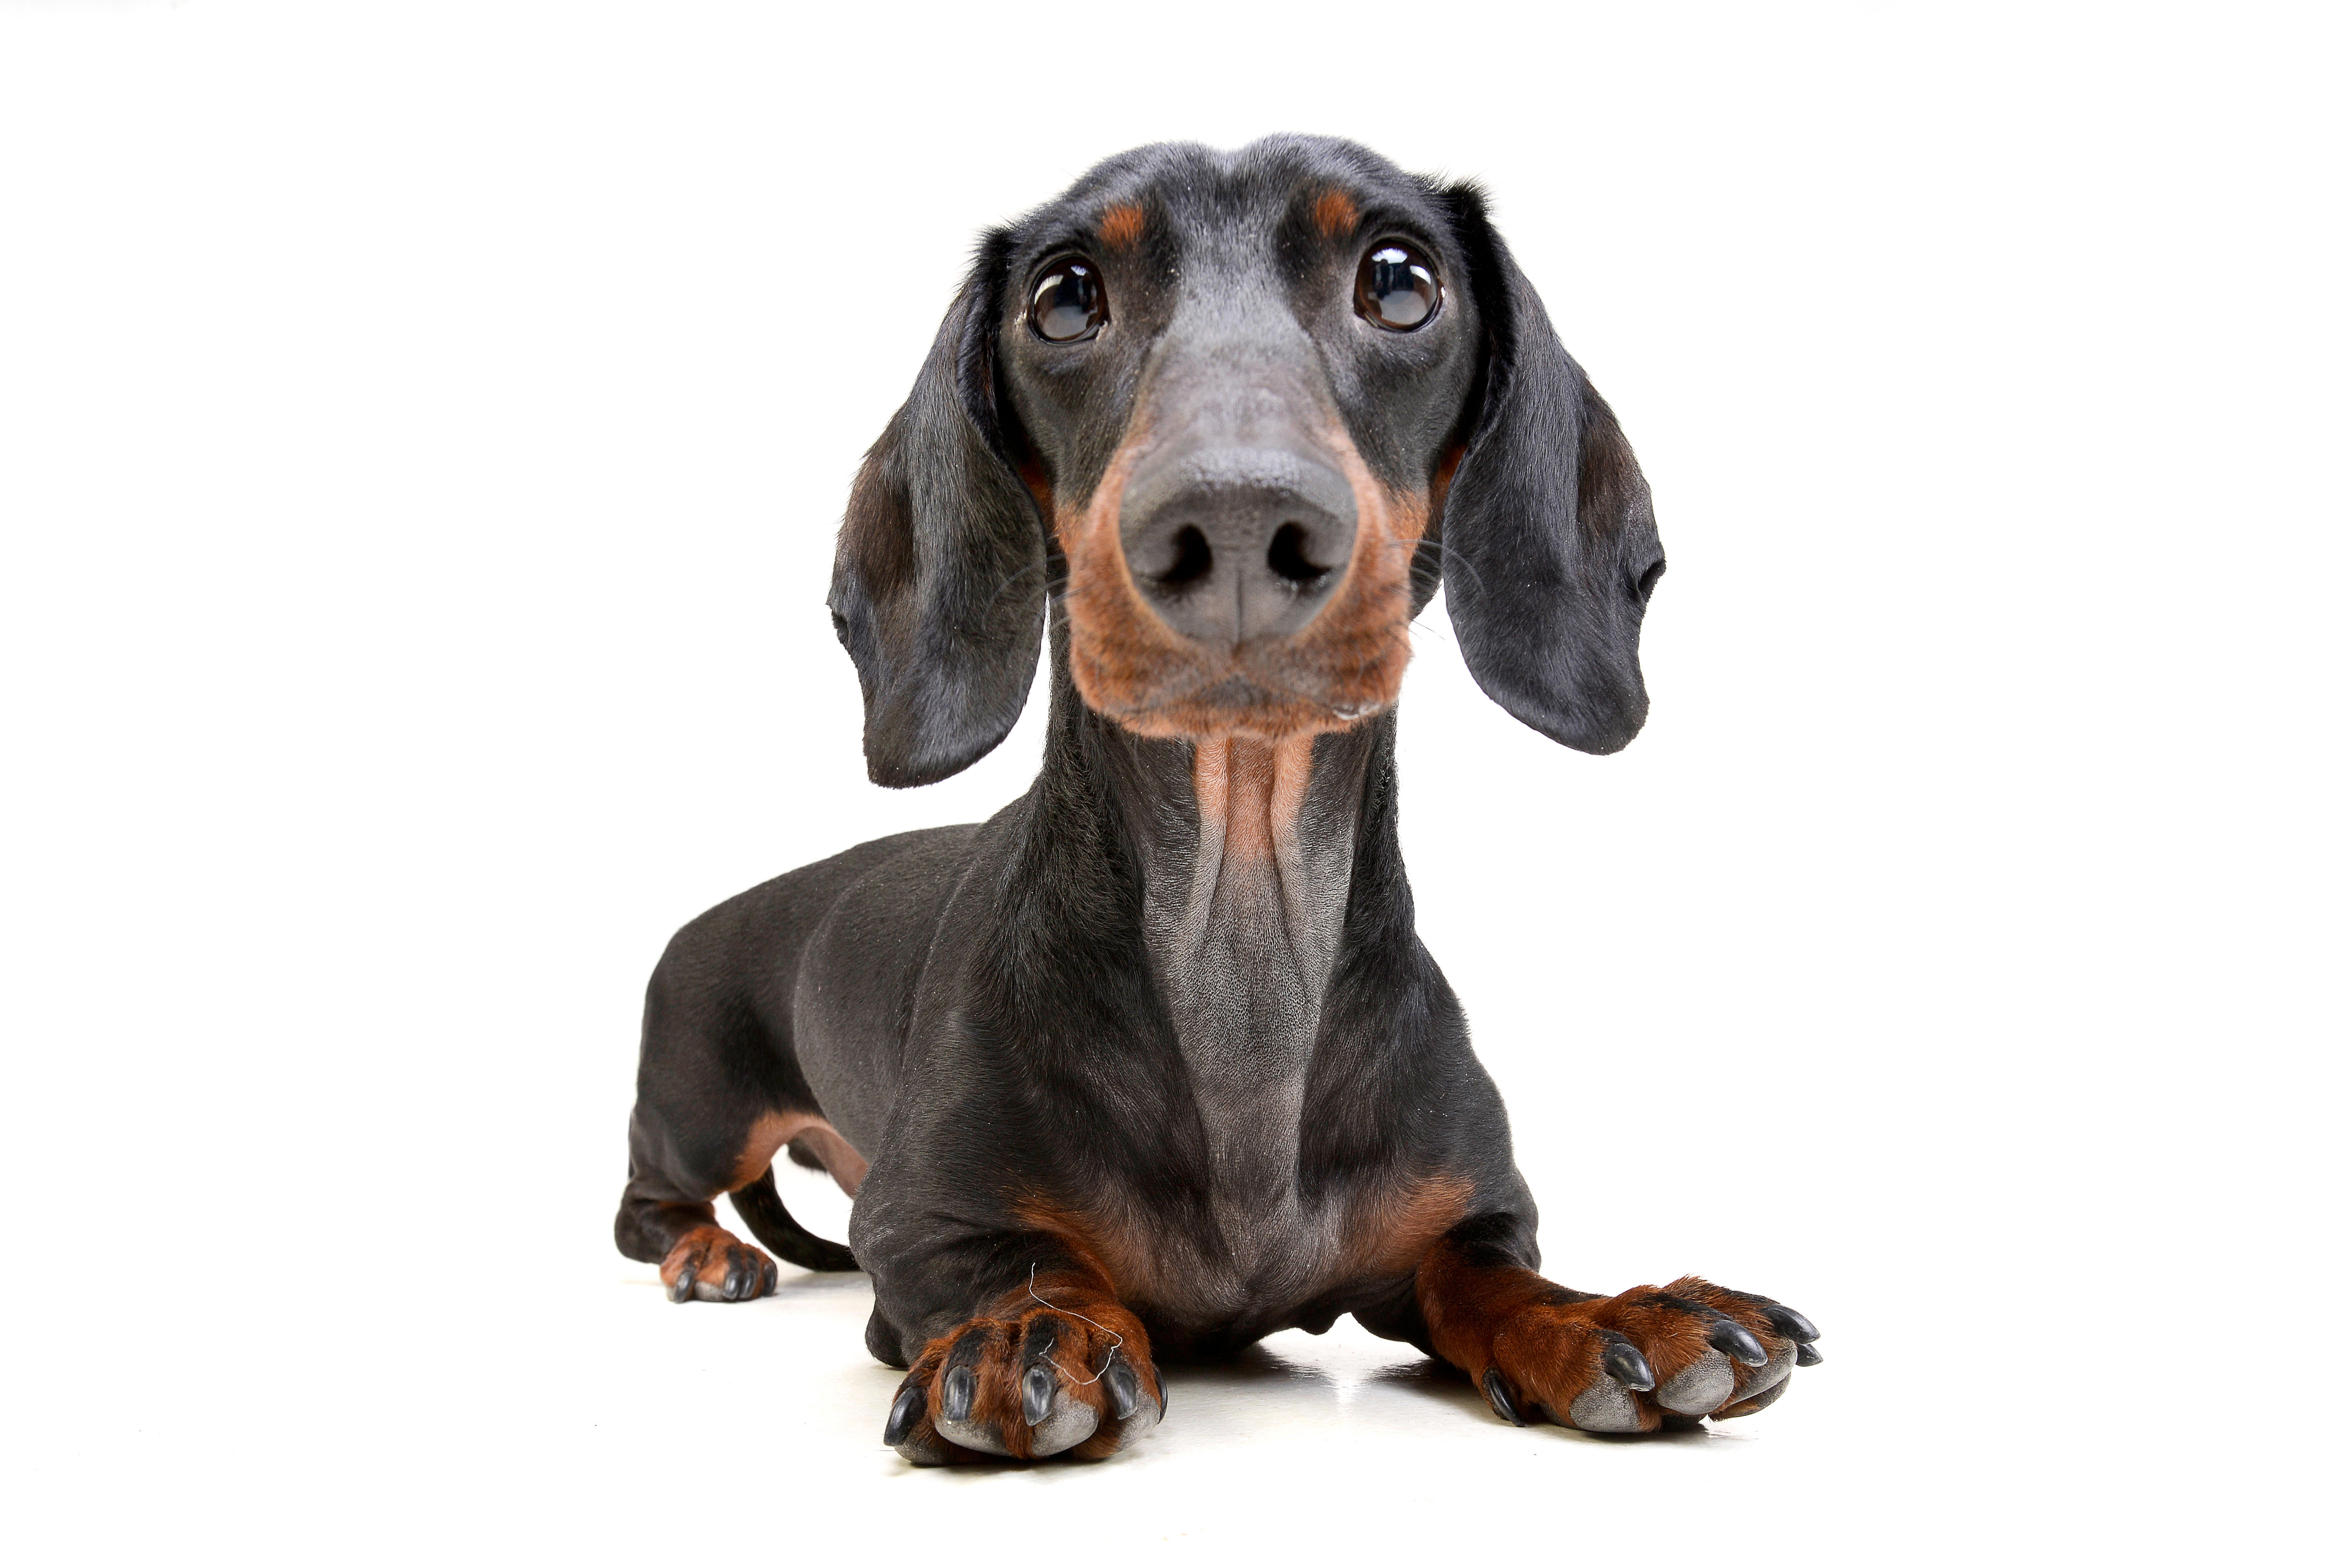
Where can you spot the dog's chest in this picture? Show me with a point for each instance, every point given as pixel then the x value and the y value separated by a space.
pixel 1243 945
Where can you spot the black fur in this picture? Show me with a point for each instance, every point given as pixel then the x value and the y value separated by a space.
pixel 938 592
pixel 1549 541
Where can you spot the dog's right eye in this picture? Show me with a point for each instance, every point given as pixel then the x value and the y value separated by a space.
pixel 1070 305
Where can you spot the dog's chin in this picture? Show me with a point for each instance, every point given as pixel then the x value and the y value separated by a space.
pixel 1134 672
pixel 1237 706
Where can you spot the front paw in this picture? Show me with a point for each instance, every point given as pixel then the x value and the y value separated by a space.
pixel 1646 1359
pixel 1028 1387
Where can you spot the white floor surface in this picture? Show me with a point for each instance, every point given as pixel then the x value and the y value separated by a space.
pixel 590 1420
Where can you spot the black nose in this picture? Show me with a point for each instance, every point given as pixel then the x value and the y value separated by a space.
pixel 1231 546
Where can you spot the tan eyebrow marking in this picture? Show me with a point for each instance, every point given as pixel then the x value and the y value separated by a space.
pixel 1121 225
pixel 1334 213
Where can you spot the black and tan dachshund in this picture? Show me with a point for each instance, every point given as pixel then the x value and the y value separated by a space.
pixel 1152 1063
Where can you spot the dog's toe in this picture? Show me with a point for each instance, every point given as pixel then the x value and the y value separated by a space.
pixel 1647 1360
pixel 1605 1406
pixel 708 1264
pixel 1701 1386
pixel 1023 1389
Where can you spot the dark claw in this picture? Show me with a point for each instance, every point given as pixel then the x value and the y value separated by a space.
pixel 739 1271
pixel 1504 1403
pixel 1806 1356
pixel 683 1290
pixel 962 1388
pixel 904 1414
pixel 1624 1363
pixel 1124 1392
pixel 1790 1322
pixel 1737 1342
pixel 1036 1391
pixel 771 1279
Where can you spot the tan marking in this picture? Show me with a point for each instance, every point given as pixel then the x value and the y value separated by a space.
pixel 1334 213
pixel 1079 1234
pixel 1441 485
pixel 1253 789
pixel 1121 226
pixel 1466 1305
pixel 846 1168
pixel 1390 1232
pixel 820 1138
pixel 712 1240
pixel 1038 483
pixel 1482 1315
pixel 1070 1297
pixel 1131 666
pixel 1379 1232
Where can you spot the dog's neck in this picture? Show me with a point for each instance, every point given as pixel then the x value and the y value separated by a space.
pixel 1255 880
pixel 1246 852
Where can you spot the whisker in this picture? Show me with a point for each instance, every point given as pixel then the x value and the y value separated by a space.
pixel 1000 589
pixel 1447 551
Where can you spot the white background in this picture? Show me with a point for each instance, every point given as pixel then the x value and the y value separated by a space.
pixel 422 429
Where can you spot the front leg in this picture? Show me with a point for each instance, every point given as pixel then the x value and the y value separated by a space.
pixel 1646 1358
pixel 1052 1364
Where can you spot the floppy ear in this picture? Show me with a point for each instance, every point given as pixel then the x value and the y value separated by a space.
pixel 938 590
pixel 1549 543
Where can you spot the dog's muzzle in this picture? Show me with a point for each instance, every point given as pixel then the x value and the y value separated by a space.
pixel 1232 544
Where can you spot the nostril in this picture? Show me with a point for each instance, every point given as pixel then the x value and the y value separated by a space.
pixel 1193 560
pixel 1646 587
pixel 1287 559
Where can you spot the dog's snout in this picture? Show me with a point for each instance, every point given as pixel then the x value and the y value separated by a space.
pixel 1230 547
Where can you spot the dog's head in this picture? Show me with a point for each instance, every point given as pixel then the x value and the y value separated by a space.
pixel 1241 410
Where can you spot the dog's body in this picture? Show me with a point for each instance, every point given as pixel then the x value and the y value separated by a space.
pixel 1153 1061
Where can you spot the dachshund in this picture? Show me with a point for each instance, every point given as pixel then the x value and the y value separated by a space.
pixel 1152 1063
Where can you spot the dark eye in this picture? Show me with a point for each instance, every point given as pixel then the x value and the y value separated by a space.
pixel 1396 288
pixel 1070 305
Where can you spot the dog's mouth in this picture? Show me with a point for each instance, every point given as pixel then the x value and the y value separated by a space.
pixel 1242 696
pixel 1250 704
pixel 1130 669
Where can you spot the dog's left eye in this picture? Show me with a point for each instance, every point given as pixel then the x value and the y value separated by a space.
pixel 1396 288
pixel 1070 305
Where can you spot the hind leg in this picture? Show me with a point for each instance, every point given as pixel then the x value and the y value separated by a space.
pixel 662 1221
pixel 668 1214
pixel 714 1100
